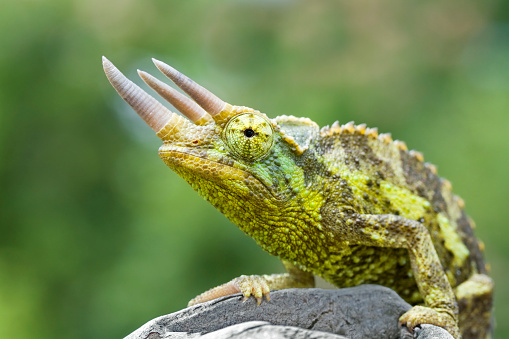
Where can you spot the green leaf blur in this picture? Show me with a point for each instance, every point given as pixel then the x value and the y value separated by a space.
pixel 97 236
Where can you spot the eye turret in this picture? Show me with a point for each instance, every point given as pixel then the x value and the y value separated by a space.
pixel 249 136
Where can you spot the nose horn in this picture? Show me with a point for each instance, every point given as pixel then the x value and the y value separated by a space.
pixel 158 117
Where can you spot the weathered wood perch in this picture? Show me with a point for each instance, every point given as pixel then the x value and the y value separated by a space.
pixel 362 312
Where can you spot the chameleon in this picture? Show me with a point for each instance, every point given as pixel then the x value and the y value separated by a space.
pixel 342 202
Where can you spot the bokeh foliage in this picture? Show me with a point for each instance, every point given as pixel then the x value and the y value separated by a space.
pixel 97 236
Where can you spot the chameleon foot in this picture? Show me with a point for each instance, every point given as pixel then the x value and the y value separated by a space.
pixel 248 285
pixel 424 315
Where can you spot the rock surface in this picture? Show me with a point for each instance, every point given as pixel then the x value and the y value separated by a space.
pixel 367 311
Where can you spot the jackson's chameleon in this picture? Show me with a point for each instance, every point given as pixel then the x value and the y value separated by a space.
pixel 341 202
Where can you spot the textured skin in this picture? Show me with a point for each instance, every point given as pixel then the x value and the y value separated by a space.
pixel 341 202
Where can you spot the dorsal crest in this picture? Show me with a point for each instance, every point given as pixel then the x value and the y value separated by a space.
pixel 297 132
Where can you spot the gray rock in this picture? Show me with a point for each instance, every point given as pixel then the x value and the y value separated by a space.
pixel 261 329
pixel 251 330
pixel 367 311
pixel 432 332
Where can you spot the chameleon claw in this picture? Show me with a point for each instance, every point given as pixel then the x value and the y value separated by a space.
pixel 424 315
pixel 252 285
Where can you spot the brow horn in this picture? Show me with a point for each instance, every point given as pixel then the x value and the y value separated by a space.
pixel 208 101
pixel 158 117
pixel 185 105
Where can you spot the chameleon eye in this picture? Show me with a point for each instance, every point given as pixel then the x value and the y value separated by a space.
pixel 249 136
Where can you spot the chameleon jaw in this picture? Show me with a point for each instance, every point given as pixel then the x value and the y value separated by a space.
pixel 184 158
pixel 189 164
pixel 202 165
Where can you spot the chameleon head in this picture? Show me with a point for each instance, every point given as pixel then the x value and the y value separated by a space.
pixel 235 157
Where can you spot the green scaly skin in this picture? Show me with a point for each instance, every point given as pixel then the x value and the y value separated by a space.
pixel 343 203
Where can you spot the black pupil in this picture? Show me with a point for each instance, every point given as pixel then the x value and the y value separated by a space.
pixel 249 133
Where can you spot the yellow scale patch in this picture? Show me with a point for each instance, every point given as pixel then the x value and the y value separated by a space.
pixel 411 206
pixel 452 240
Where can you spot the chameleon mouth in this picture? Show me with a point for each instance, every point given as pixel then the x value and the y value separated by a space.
pixel 198 163
pixel 201 164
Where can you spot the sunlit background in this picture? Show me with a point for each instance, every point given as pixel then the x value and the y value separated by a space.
pixel 97 236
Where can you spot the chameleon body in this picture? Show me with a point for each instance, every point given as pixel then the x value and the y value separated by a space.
pixel 341 202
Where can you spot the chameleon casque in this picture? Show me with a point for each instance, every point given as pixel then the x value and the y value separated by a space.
pixel 341 202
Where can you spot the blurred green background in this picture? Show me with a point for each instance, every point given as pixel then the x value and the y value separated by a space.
pixel 97 236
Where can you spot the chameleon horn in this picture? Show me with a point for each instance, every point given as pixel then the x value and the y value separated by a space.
pixel 184 105
pixel 208 101
pixel 149 109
